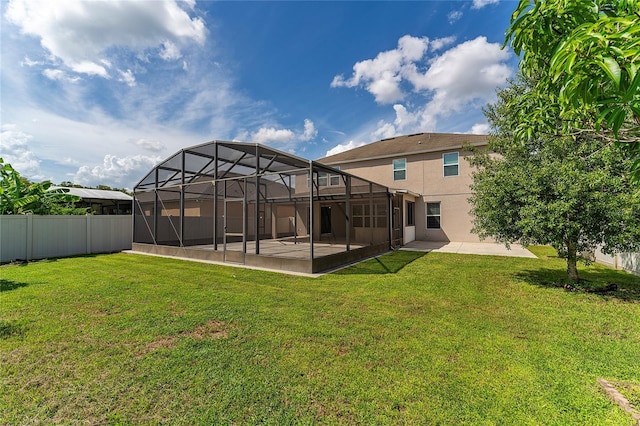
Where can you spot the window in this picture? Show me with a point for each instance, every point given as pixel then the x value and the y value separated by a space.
pixel 334 180
pixel 361 216
pixel 433 215
pixel 400 169
pixel 450 161
pixel 411 213
pixel 322 179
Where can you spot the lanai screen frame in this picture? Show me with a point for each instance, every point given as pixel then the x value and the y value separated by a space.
pixel 210 169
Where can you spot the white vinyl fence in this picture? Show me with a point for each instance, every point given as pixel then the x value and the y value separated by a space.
pixel 630 262
pixel 28 237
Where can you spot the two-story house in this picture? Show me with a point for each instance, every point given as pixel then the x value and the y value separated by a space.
pixel 431 174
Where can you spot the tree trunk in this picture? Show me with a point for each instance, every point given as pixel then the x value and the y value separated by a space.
pixel 572 262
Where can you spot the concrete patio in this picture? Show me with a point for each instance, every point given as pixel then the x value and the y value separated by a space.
pixel 490 249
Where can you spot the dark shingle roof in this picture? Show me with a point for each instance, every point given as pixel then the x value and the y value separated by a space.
pixel 403 145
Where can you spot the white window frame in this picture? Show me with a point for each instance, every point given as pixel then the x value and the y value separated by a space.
pixel 439 215
pixel 403 169
pixel 456 164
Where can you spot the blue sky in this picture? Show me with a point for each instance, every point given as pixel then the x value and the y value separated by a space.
pixel 97 92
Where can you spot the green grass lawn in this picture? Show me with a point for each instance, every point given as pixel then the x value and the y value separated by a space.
pixel 407 338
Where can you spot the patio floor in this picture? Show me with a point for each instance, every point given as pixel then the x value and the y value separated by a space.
pixel 490 249
pixel 288 248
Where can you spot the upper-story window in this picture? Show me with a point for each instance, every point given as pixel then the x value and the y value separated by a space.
pixel 334 180
pixel 322 179
pixel 400 169
pixel 450 163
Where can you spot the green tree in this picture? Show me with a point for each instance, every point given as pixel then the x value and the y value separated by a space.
pixel 571 192
pixel 588 53
pixel 19 196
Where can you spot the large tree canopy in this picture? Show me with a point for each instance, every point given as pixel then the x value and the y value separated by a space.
pixel 588 53
pixel 571 192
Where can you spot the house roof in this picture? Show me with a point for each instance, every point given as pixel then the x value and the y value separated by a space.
pixel 96 194
pixel 406 145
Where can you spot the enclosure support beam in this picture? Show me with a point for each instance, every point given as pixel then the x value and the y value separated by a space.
pixel 245 218
pixel 257 212
pixel 215 198
pixel 391 210
pixel 224 218
pixel 155 210
pixel 311 224
pixel 182 201
pixel 295 222
pixel 233 165
pixel 347 208
pixel 371 215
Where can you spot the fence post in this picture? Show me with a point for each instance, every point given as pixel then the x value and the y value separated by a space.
pixel 88 216
pixel 29 249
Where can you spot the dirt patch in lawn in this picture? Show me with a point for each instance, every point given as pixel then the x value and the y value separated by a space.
pixel 211 330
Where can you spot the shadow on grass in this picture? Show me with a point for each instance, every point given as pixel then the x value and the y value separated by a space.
pixel 8 285
pixel 595 281
pixel 9 328
pixel 390 263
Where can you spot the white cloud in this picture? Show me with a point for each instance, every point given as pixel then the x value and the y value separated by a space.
pixel 267 135
pixel 70 161
pixel 461 73
pixel 479 4
pixel 480 129
pixel 344 147
pixel 170 51
pixel 81 32
pixel 463 76
pixel 440 43
pixel 52 74
pixel 29 63
pixel 271 135
pixel 310 130
pixel 150 145
pixel 382 75
pixel 115 170
pixel 404 119
pixel 471 70
pixel 61 145
pixel 454 16
pixel 17 152
pixel 89 68
pixel 385 130
pixel 127 77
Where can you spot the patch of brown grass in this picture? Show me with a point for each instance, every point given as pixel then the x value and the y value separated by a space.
pixel 211 330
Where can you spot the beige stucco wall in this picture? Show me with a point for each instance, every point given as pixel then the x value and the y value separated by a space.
pixel 425 176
